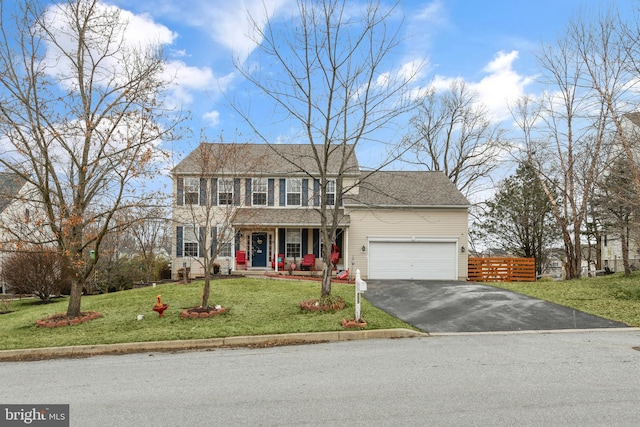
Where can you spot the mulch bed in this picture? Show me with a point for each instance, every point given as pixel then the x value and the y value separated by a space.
pixel 202 312
pixel 307 277
pixel 61 319
pixel 314 305
pixel 352 323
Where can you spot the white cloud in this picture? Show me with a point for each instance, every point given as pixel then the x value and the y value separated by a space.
pixel 141 32
pixel 137 32
pixel 501 86
pixel 424 25
pixel 212 118
pixel 226 22
pixel 197 78
pixel 233 28
pixel 433 13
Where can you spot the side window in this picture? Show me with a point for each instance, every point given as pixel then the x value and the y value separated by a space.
pixel 190 241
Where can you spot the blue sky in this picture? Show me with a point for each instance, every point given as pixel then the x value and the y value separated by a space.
pixel 488 43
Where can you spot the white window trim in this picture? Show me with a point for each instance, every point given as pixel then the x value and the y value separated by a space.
pixel 225 186
pixel 187 239
pixel 264 184
pixel 225 240
pixel 288 242
pixel 299 192
pixel 334 184
pixel 188 186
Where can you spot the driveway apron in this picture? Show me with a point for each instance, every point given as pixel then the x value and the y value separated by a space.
pixel 456 306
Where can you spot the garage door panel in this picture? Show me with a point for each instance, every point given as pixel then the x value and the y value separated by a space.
pixel 412 260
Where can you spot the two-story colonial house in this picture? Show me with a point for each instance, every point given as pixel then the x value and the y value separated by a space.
pixel 391 225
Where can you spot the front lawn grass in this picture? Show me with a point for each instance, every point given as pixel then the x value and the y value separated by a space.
pixel 256 307
pixel 613 297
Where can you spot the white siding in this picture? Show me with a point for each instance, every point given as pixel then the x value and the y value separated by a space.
pixel 405 224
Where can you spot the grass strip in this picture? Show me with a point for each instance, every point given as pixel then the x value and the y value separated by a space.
pixel 613 297
pixel 257 306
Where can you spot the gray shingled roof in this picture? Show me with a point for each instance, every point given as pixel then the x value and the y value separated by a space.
pixel 282 217
pixel 381 189
pixel 10 185
pixel 260 160
pixel 415 189
pixel 634 118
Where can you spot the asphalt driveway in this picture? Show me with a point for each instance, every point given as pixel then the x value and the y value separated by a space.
pixel 456 306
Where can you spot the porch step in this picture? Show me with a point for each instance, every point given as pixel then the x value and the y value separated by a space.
pixel 252 272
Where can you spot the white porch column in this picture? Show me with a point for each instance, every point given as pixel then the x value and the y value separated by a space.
pixel 276 249
pixel 346 259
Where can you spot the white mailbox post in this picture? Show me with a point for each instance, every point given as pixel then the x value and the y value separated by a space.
pixel 361 286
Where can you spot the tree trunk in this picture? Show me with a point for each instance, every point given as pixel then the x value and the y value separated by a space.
pixel 572 264
pixel 73 310
pixel 326 281
pixel 206 290
pixel 624 243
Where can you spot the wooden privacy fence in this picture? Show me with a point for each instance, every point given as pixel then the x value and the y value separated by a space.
pixel 502 269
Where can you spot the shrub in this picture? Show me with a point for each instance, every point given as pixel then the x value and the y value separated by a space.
pixel 41 273
pixel 5 304
pixel 162 269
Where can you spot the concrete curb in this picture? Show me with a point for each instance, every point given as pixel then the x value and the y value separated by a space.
pixel 203 344
pixel 536 331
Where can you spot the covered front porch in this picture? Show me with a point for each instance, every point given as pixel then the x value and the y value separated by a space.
pixel 284 239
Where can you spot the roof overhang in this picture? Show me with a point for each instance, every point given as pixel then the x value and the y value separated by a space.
pixel 283 217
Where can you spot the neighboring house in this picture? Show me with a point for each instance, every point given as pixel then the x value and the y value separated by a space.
pixel 14 209
pixel 496 252
pixel 392 225
pixel 612 254
pixel 554 267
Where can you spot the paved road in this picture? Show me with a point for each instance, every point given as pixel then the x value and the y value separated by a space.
pixel 452 306
pixel 528 379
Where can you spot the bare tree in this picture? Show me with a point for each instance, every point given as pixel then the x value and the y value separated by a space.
pixel 81 118
pixel 565 142
pixel 617 200
pixel 149 227
pixel 327 77
pixel 208 203
pixel 608 45
pixel 452 133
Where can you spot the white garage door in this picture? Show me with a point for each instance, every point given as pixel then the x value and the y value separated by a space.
pixel 412 260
